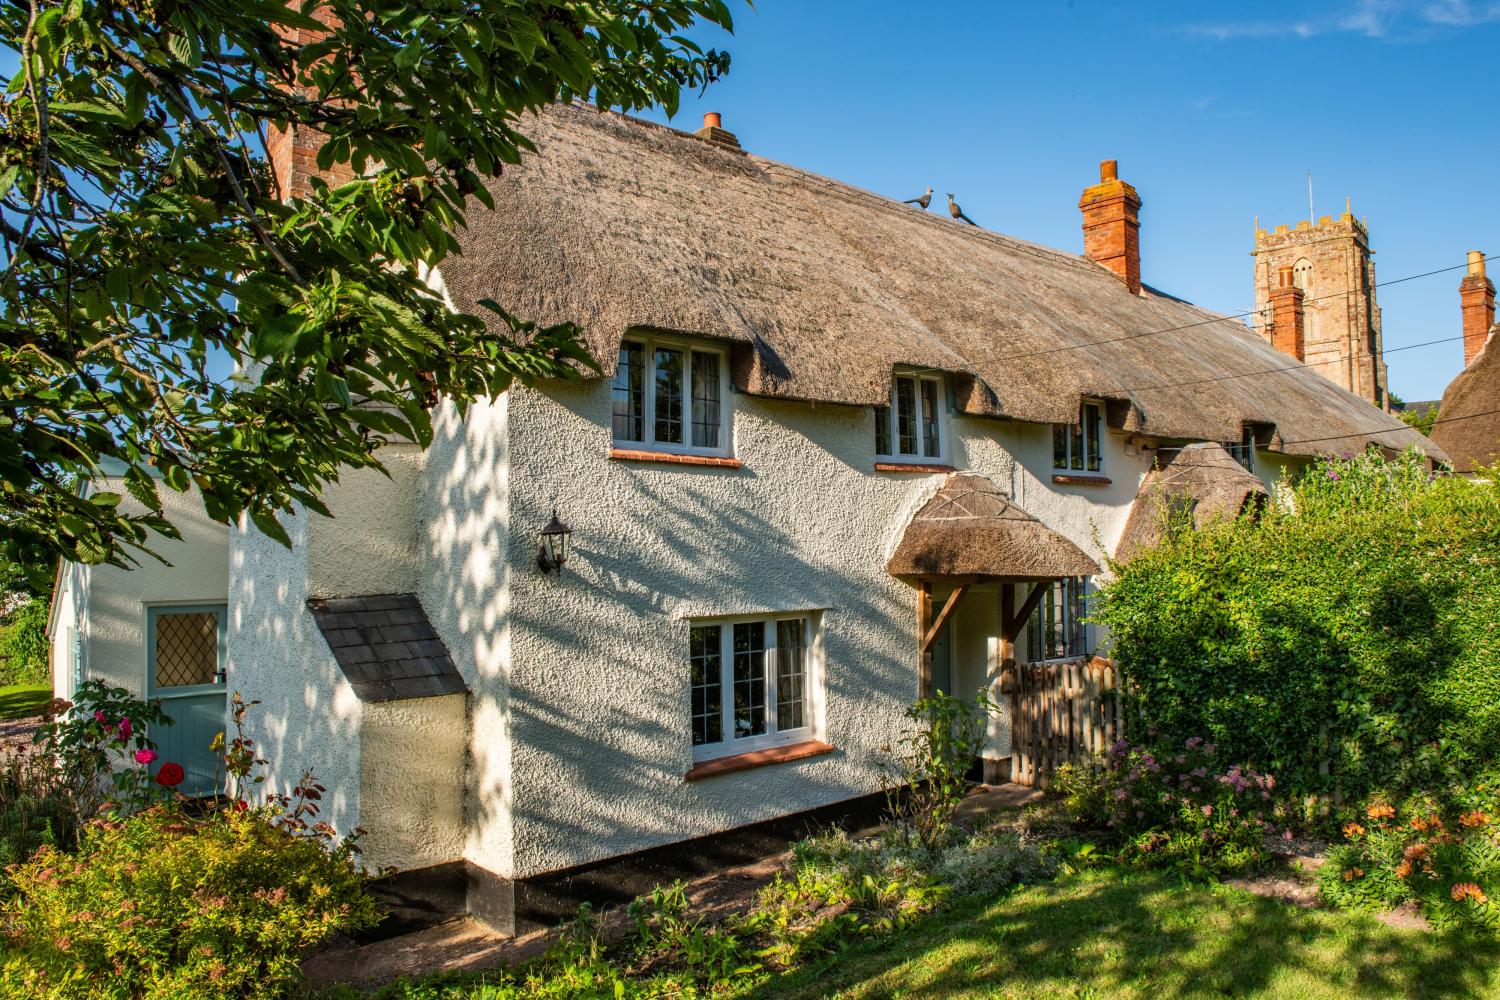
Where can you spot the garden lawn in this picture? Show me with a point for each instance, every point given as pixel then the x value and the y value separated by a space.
pixel 1117 934
pixel 20 700
pixel 1105 934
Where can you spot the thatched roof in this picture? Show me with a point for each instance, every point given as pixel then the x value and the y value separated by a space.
pixel 1203 478
pixel 970 528
pixel 616 223
pixel 1468 420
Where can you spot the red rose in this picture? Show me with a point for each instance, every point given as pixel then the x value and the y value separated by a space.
pixel 170 775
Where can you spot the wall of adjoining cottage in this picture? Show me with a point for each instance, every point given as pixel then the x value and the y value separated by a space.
pixel 108 604
pixel 68 614
pixel 598 713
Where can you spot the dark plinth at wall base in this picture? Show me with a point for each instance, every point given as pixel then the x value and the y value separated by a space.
pixel 994 771
pixel 758 758
pixel 427 896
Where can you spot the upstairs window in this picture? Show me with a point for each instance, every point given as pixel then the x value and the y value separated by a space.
pixel 671 396
pixel 911 425
pixel 753 683
pixel 1244 450
pixel 1078 447
pixel 1056 629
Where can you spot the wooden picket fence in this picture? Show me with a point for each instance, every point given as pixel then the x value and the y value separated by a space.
pixel 1061 712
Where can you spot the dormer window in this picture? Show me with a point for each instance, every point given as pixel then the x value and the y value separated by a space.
pixel 1079 447
pixel 671 396
pixel 911 426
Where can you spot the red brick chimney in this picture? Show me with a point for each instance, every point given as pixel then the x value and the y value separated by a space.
pixel 1476 294
pixel 293 151
pixel 1111 226
pixel 1286 315
pixel 713 131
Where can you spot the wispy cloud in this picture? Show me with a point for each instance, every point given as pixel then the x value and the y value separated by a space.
pixel 1365 18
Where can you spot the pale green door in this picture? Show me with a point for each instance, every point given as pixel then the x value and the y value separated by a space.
pixel 185 672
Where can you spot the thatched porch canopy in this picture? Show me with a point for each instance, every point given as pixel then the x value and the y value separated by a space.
pixel 970 530
pixel 1202 481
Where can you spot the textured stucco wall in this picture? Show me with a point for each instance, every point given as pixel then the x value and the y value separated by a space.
pixel 309 716
pixel 598 735
pixel 68 614
pixel 371 545
pixel 412 780
pixel 113 615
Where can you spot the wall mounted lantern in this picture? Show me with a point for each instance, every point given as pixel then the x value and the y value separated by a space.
pixel 552 548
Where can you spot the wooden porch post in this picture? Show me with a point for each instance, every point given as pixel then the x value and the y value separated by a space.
pixel 924 625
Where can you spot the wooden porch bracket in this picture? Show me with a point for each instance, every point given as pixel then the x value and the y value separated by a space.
pixel 1011 622
pixel 930 636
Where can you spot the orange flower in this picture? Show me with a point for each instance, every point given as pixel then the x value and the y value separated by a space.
pixel 1380 810
pixel 1468 890
pixel 1475 818
pixel 1415 852
pixel 1419 824
pixel 1354 873
pixel 1403 870
pixel 1352 830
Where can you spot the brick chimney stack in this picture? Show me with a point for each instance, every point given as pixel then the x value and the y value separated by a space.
pixel 1111 226
pixel 293 151
pixel 713 131
pixel 1286 315
pixel 1476 295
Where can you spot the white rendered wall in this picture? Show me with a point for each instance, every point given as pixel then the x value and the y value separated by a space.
pixel 598 731
pixel 309 716
pixel 412 781
pixel 67 616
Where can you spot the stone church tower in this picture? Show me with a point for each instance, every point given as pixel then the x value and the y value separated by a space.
pixel 1330 263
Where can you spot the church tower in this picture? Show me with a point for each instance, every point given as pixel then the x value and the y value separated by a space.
pixel 1331 263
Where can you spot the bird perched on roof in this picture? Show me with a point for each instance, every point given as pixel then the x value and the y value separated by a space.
pixel 957 212
pixel 923 201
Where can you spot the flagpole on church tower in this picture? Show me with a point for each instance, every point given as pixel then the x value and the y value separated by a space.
pixel 1312 219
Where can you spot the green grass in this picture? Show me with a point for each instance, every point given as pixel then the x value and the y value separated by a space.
pixel 1126 935
pixel 1104 934
pixel 20 700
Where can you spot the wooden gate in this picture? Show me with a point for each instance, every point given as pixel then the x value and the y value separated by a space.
pixel 1061 712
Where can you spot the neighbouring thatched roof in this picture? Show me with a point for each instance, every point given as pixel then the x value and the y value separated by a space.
pixel 970 528
pixel 1468 420
pixel 822 288
pixel 1203 478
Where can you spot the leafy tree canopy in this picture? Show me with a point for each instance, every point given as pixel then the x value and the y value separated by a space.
pixel 144 237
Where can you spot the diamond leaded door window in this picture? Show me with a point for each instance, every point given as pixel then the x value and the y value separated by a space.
pixel 186 647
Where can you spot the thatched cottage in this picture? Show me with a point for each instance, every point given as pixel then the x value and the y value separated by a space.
pixel 842 451
pixel 1468 421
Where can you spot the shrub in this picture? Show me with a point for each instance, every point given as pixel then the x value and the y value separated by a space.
pixel 100 745
pixel 1182 808
pixel 1352 625
pixel 927 776
pixel 23 644
pixel 1448 864
pixel 35 808
pixel 163 904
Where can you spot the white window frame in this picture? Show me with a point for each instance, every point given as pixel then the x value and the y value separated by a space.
pixel 1082 428
pixel 649 346
pixel 812 685
pixel 892 421
pixel 1086 587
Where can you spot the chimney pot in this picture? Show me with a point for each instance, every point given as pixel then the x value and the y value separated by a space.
pixel 1109 170
pixel 1476 262
pixel 712 119
pixel 1285 277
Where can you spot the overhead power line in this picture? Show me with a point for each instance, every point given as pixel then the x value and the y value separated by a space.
pixel 1390 430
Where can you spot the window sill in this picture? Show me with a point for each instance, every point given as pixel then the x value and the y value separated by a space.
pixel 671 458
pixel 1076 480
pixel 758 758
pixel 928 467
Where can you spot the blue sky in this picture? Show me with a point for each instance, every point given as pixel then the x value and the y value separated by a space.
pixel 1215 112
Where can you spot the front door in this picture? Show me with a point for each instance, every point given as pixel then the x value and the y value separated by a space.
pixel 185 672
pixel 942 660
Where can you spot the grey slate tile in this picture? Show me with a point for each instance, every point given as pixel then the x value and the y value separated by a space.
pixel 386 647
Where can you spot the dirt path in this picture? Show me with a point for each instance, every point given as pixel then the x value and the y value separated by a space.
pixel 17 733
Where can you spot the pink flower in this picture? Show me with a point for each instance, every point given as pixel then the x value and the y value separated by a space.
pixel 125 728
pixel 145 756
pixel 1208 810
pixel 99 716
pixel 1286 835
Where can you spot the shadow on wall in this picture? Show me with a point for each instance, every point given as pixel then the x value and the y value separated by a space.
pixel 581 686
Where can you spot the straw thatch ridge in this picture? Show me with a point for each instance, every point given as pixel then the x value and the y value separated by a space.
pixel 821 289
pixel 1202 480
pixel 970 528
pixel 1468 420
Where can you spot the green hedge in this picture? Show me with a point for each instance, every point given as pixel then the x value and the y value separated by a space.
pixel 1357 622
pixel 23 644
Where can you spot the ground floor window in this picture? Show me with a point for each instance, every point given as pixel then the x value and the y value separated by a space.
pixel 753 683
pixel 1056 628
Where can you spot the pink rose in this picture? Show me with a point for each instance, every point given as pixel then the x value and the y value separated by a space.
pixel 1208 810
pixel 99 716
pixel 145 756
pixel 125 729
